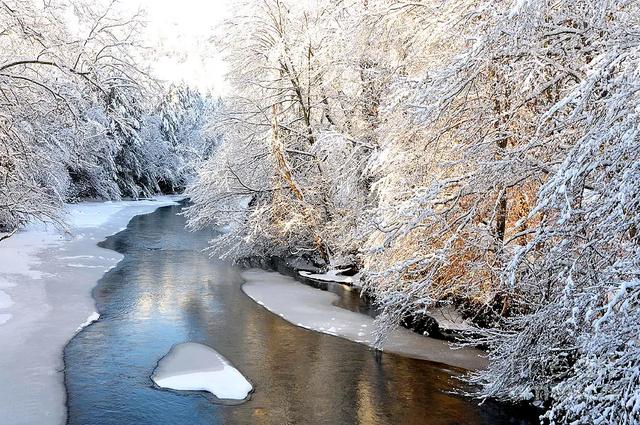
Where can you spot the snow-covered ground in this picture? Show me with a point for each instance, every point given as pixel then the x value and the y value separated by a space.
pixel 196 367
pixel 447 317
pixel 314 309
pixel 333 276
pixel 46 278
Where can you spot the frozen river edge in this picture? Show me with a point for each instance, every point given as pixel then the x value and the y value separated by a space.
pixel 46 279
pixel 315 309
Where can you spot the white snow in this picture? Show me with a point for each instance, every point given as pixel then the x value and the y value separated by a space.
pixel 196 367
pixel 80 266
pixel 46 277
pixel 92 318
pixel 314 309
pixel 5 300
pixel 333 276
pixel 90 215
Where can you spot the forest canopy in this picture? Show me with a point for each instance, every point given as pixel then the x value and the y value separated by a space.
pixel 81 117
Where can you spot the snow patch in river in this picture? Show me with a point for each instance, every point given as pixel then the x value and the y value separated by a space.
pixel 196 367
pixel 314 309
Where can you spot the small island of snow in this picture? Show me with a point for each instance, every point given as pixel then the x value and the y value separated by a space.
pixel 196 367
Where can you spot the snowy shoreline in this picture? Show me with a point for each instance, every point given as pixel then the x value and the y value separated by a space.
pixel 46 279
pixel 314 309
pixel 444 323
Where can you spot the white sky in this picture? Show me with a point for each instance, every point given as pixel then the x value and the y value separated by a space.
pixel 180 31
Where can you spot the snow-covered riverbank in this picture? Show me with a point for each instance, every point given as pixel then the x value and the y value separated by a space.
pixel 46 278
pixel 314 309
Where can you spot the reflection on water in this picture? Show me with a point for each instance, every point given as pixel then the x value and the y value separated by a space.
pixel 166 292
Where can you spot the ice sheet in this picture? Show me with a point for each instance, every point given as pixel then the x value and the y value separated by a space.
pixel 314 309
pixel 50 300
pixel 196 367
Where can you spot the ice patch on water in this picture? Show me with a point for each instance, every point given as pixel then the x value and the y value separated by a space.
pixel 196 367
pixel 312 308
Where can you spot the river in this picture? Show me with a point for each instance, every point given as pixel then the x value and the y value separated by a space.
pixel 167 291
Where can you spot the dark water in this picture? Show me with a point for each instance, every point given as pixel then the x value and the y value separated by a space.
pixel 166 291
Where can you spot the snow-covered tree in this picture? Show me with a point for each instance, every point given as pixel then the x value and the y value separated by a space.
pixel 578 273
pixel 185 117
pixel 75 103
pixel 503 187
pixel 300 130
pixel 471 152
pixel 39 109
pixel 288 154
